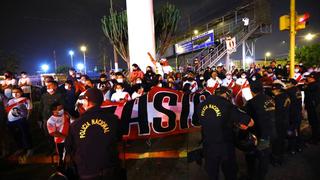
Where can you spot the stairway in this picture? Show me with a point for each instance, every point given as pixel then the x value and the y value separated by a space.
pixel 221 50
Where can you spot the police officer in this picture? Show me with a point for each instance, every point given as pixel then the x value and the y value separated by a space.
pixel 282 105
pixel 312 103
pixel 295 117
pixel 261 109
pixel 217 117
pixel 92 140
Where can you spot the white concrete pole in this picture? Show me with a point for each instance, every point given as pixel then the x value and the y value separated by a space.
pixel 141 32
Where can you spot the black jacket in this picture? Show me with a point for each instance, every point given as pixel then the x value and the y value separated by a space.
pixel 92 141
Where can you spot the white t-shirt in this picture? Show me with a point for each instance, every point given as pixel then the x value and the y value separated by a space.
pixel 60 124
pixel 212 82
pixel 27 88
pixel 193 85
pixel 18 108
pixel 226 82
pixel 7 91
pixel 118 96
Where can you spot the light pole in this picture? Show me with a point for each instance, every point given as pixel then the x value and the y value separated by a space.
pixel 268 54
pixel 84 49
pixel 71 53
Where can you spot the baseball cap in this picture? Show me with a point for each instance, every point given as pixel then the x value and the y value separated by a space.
pixel 93 95
pixel 313 75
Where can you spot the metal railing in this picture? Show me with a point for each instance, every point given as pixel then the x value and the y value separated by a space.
pixel 221 50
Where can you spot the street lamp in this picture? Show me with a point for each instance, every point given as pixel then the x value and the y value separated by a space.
pixel 80 67
pixel 84 49
pixel 44 68
pixel 195 32
pixel 71 53
pixel 268 54
pixel 309 36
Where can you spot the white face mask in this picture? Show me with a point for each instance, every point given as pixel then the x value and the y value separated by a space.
pixel 201 78
pixel 229 77
pixel 83 81
pixel 24 76
pixel 84 103
pixel 120 80
pixel 254 78
pixel 50 91
pixel 243 76
pixel 296 70
pixel 66 87
pixel 118 90
pixel 61 112
pixel 139 82
pixel 14 95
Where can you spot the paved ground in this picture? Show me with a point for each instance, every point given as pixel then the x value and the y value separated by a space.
pixel 302 166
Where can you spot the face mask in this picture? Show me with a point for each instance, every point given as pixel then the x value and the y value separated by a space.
pixel 254 78
pixel 243 76
pixel 66 87
pixel 84 103
pixel 61 112
pixel 113 77
pixel 118 90
pixel 83 81
pixel 234 77
pixel 50 91
pixel 190 79
pixel 24 76
pixel 6 76
pixel 138 82
pixel 14 95
pixel 287 66
pixel 201 78
pixel 46 84
pixel 229 77
pixel 87 87
pixel 120 80
pixel 296 70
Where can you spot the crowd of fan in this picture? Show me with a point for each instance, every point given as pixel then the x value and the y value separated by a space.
pixel 60 103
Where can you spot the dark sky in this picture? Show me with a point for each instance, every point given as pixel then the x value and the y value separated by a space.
pixel 34 28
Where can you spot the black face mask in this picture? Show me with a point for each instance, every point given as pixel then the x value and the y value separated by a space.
pixel 190 79
pixel 6 76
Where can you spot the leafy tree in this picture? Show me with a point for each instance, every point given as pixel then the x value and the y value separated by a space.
pixel 309 55
pixel 8 62
pixel 166 23
pixel 115 28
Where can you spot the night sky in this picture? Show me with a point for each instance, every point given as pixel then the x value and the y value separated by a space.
pixel 34 28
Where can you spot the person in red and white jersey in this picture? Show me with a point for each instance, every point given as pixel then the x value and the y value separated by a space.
pixel 58 127
pixel 214 81
pixel 297 75
pixel 120 94
pixel 242 81
pixel 25 84
pixel 228 81
pixel 166 68
pixel 193 85
pixel 7 84
pixel 18 110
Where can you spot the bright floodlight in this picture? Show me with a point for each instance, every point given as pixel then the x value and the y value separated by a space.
pixel 195 32
pixel 268 54
pixel 309 36
pixel 80 66
pixel 71 53
pixel 83 48
pixel 45 67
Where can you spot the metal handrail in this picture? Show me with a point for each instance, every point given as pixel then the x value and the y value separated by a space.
pixel 212 58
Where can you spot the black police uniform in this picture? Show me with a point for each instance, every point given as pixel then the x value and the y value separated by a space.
pixel 92 144
pixel 295 118
pixel 312 103
pixel 282 102
pixel 217 117
pixel 261 108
